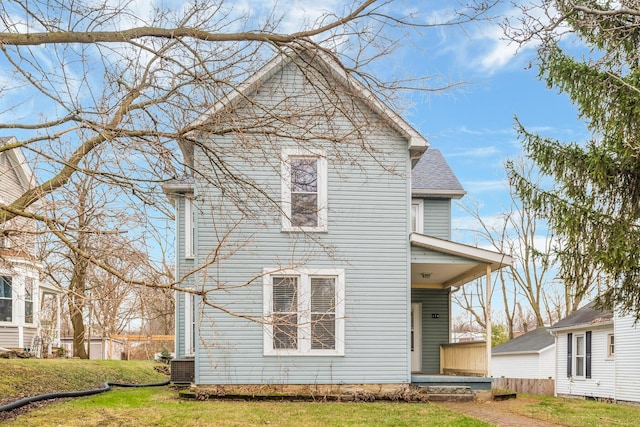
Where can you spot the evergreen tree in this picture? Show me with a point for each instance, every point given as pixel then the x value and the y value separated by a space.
pixel 594 201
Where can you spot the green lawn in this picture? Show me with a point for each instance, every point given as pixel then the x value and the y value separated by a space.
pixel 161 407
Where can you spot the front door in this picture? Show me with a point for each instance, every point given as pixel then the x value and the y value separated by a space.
pixel 416 337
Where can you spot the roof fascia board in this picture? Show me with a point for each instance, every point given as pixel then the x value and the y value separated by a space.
pixel 449 194
pixel 496 259
pixel 596 325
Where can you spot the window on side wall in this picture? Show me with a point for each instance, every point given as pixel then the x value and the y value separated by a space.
pixel 417 216
pixel 304 191
pixel 6 299
pixel 189 228
pixel 579 358
pixel 28 300
pixel 190 320
pixel 304 312
pixel 610 345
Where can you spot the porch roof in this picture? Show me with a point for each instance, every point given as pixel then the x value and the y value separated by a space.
pixel 439 263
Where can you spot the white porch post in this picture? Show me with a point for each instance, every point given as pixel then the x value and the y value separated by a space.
pixel 487 316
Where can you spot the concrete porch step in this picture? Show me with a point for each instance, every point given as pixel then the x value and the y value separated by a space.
pixel 445 389
pixel 447 393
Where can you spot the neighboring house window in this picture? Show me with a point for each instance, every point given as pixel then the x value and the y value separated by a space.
pixel 610 345
pixel 579 355
pixel 6 299
pixel 417 216
pixel 304 312
pixel 304 191
pixel 28 300
pixel 189 225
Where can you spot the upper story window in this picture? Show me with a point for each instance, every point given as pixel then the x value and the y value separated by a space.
pixel 305 312
pixel 28 300
pixel 6 299
pixel 304 191
pixel 417 216
pixel 189 228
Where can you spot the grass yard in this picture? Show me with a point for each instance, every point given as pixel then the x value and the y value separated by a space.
pixel 160 406
pixel 574 412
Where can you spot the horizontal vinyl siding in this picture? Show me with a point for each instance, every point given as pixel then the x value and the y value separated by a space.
pixel 530 365
pixel 366 237
pixel 601 383
pixel 437 218
pixel 434 331
pixel 627 357
pixel 547 363
pixel 8 336
pixel 515 365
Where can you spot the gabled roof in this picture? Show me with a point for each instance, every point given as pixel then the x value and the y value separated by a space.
pixel 18 163
pixel 432 176
pixel 588 315
pixel 531 342
pixel 417 144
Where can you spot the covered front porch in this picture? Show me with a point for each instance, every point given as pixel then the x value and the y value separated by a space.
pixel 437 267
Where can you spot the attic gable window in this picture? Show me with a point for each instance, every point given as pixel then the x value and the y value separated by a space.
pixel 304 191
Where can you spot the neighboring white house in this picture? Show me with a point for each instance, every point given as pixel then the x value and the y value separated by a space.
pixel 29 309
pixel 597 355
pixel 531 355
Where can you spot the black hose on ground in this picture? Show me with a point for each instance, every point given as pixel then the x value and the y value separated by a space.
pixel 106 387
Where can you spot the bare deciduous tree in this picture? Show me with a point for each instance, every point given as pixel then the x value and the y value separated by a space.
pixel 105 78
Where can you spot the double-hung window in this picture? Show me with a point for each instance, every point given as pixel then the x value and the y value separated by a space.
pixel 304 191
pixel 28 300
pixel 579 358
pixel 579 355
pixel 6 299
pixel 610 345
pixel 304 312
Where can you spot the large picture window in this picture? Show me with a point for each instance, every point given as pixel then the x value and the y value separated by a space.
pixel 6 299
pixel 304 311
pixel 304 191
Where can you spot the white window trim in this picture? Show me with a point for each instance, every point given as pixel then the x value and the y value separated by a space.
pixel 575 356
pixel 189 251
pixel 286 189
pixel 189 324
pixel 611 354
pixel 13 301
pixel 304 329
pixel 419 215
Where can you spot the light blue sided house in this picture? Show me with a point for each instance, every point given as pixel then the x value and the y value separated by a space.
pixel 313 237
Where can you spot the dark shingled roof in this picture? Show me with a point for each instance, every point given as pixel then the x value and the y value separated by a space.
pixel 530 342
pixel 433 176
pixel 587 315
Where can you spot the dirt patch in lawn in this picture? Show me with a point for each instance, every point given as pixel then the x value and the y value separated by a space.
pixel 501 413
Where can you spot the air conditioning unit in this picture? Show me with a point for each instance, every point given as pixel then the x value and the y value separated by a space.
pixel 183 371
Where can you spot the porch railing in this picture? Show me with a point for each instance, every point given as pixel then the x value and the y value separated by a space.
pixel 466 358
